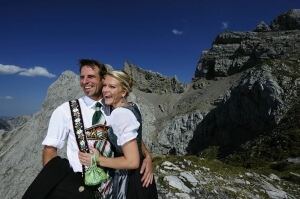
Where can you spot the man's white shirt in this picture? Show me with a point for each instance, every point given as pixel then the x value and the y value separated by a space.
pixel 61 129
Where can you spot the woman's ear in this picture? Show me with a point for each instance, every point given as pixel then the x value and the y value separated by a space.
pixel 124 93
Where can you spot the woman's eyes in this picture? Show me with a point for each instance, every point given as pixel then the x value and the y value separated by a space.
pixel 110 86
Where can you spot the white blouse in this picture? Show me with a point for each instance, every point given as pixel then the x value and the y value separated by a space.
pixel 124 124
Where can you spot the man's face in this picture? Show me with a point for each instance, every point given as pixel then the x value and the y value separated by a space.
pixel 90 82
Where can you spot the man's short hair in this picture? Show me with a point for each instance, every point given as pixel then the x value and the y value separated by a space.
pixel 93 63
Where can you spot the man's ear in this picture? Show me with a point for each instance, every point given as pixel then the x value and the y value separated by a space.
pixel 102 78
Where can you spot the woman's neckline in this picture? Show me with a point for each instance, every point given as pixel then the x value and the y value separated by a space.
pixel 124 105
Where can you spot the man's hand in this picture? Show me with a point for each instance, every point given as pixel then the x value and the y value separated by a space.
pixel 146 168
pixel 85 158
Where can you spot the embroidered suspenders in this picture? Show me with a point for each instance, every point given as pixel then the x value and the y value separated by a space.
pixel 79 129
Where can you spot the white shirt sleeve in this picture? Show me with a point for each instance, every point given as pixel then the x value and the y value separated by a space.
pixel 57 129
pixel 124 125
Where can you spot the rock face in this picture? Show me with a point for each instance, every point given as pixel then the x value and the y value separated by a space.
pixel 151 82
pixel 242 88
pixel 289 20
pixel 18 121
pixel 233 52
pixel 257 102
pixel 4 125
pixel 262 27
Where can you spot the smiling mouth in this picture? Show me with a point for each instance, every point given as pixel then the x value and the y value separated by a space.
pixel 87 88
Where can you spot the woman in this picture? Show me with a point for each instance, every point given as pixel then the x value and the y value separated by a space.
pixel 126 136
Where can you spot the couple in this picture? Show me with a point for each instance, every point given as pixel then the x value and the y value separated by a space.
pixel 125 136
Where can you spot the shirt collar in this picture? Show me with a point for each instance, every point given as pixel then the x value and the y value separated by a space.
pixel 90 102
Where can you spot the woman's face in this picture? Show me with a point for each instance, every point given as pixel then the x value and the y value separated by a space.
pixel 112 91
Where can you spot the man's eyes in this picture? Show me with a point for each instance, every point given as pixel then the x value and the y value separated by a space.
pixel 89 76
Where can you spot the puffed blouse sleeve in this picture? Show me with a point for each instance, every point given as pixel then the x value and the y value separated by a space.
pixel 124 125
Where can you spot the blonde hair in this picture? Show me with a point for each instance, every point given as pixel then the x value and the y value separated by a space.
pixel 125 80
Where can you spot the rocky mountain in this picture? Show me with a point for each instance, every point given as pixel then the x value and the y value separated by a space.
pixel 4 125
pixel 12 123
pixel 150 82
pixel 239 102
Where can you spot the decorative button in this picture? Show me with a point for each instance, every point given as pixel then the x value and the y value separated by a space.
pixel 81 188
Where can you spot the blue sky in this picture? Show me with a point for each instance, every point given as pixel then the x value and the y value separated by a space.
pixel 41 39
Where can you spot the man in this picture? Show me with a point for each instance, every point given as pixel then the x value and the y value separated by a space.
pixel 61 126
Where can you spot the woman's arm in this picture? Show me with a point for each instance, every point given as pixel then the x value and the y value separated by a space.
pixel 130 160
pixel 125 127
